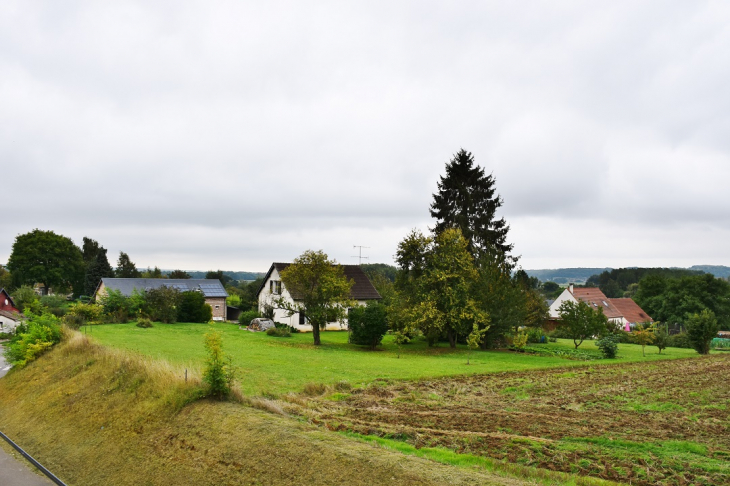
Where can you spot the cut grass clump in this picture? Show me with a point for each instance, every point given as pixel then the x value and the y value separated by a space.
pixel 314 389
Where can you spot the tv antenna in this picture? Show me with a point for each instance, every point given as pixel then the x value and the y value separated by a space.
pixel 359 255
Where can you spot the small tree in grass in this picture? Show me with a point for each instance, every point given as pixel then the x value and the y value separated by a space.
pixel 608 345
pixel 701 329
pixel 400 338
pixel 219 371
pixel 661 336
pixel 474 339
pixel 581 321
pixel 643 335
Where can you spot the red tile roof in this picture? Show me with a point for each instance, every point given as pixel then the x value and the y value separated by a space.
pixel 631 311
pixel 595 298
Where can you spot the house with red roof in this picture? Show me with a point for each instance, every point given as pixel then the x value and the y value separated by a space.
pixel 624 312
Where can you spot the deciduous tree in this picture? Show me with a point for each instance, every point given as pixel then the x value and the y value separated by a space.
pixel 321 289
pixel 701 329
pixel 126 267
pixel 581 321
pixel 47 258
pixel 179 274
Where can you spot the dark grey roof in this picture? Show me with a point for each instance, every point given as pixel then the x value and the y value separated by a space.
pixel 363 288
pixel 209 287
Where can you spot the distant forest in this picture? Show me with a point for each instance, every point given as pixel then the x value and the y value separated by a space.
pixel 233 275
pixel 623 282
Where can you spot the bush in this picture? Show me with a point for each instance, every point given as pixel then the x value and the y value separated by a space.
pixel 246 317
pixel 26 300
pixel 144 322
pixel 701 329
pixel 680 340
pixel 192 308
pixel 519 340
pixel 33 339
pixel 161 304
pixel 367 324
pixel 219 371
pixel 278 332
pixel 117 308
pixel 609 345
pixel 54 304
pixel 82 314
pixel 535 335
pixel 661 337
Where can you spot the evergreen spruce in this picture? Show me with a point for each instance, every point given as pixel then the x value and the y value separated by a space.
pixel 126 267
pixel 466 199
pixel 96 270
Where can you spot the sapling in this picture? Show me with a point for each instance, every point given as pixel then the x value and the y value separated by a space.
pixel 474 339
pixel 400 339
pixel 643 335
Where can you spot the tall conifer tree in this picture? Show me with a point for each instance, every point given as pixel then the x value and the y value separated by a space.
pixel 467 199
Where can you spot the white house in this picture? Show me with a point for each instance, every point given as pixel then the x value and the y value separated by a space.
pixel 624 312
pixel 272 288
pixel 10 320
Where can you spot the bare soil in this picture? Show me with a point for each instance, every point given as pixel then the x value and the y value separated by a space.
pixel 644 423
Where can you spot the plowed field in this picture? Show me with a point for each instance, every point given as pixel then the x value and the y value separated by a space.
pixel 643 423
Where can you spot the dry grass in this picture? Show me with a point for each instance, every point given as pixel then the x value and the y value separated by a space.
pixel 99 416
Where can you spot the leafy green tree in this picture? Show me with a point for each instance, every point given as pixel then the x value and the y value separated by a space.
pixel 581 321
pixel 474 339
pixel 248 295
pixel 643 335
pixel 179 274
pixel 162 302
pixel 551 290
pixel 89 250
pixel 321 288
pixel 193 308
pixel 26 299
pixel 219 372
pixel 218 275
pixel 442 299
pixel 96 270
pixel 116 306
pixel 367 324
pixel 126 267
pixel 6 279
pixel 152 273
pixel 467 199
pixel 47 258
pixel 701 329
pixel 661 336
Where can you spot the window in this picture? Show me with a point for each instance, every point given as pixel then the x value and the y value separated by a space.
pixel 217 307
pixel 302 319
pixel 275 287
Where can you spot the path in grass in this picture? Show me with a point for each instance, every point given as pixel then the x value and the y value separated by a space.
pixel 272 366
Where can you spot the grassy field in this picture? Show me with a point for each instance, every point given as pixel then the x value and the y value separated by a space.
pixel 273 366
pixel 95 415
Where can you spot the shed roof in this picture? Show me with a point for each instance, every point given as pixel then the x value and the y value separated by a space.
pixel 16 316
pixel 362 289
pixel 209 287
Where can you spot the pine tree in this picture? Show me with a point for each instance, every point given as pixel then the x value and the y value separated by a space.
pixel 466 199
pixel 126 267
pixel 97 270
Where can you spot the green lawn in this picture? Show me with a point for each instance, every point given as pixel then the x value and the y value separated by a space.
pixel 272 366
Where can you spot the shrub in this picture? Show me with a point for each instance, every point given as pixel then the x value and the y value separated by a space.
pixel 278 332
pixel 26 299
pixel 680 340
pixel 161 304
pixel 192 308
pixel 33 339
pixel 144 322
pixel 82 314
pixel 117 308
pixel 661 337
pixel 519 340
pixel 367 324
pixel 54 304
pixel 535 335
pixel 701 329
pixel 246 317
pixel 219 371
pixel 609 345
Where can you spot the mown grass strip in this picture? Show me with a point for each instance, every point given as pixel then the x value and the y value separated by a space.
pixel 451 458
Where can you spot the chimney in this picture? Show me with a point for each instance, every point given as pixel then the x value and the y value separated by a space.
pixel 571 288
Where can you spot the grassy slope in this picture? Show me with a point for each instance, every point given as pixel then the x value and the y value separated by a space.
pixel 99 417
pixel 278 365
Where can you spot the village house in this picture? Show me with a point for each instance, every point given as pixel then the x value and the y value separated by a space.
pixel 622 312
pixel 10 316
pixel 213 291
pixel 272 289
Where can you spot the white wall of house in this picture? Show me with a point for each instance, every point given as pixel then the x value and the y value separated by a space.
pixel 7 324
pixel 555 306
pixel 269 295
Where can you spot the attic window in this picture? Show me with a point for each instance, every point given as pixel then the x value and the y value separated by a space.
pixel 605 303
pixel 275 287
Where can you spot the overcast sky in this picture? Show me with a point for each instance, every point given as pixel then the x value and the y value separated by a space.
pixel 205 135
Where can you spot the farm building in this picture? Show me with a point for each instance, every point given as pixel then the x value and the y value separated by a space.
pixel 10 320
pixel 213 291
pixel 272 288
pixel 624 312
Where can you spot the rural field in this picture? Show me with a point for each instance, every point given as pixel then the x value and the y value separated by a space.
pixel 273 366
